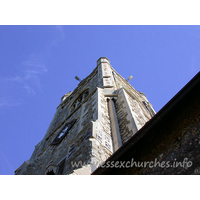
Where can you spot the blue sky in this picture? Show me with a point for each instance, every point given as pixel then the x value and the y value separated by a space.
pixel 38 65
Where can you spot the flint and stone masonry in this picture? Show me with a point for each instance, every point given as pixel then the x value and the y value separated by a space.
pixel 89 125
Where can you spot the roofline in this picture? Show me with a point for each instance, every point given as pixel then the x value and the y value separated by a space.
pixel 192 87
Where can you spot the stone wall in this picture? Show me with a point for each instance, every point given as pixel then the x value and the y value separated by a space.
pixel 178 145
pixel 131 114
pixel 139 113
pixel 76 145
pixel 138 96
pixel 124 117
pixel 169 144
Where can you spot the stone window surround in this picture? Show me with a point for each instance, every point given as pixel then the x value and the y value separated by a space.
pixel 51 167
pixel 58 139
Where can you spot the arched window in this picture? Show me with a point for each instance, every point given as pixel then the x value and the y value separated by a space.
pixel 80 99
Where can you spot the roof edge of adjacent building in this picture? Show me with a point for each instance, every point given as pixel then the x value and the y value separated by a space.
pixel 188 93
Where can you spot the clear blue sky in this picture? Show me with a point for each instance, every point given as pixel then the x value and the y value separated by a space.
pixel 38 65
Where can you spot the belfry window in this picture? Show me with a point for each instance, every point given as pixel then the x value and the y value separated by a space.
pixel 80 99
pixel 63 133
pixel 149 108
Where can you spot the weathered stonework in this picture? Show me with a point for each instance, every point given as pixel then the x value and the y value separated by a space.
pixel 82 132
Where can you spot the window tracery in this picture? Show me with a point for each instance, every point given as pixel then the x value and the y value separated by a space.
pixel 80 99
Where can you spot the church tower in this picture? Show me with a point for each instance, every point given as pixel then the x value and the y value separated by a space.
pixel 90 124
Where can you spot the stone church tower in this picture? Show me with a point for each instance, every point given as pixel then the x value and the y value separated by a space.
pixel 90 123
